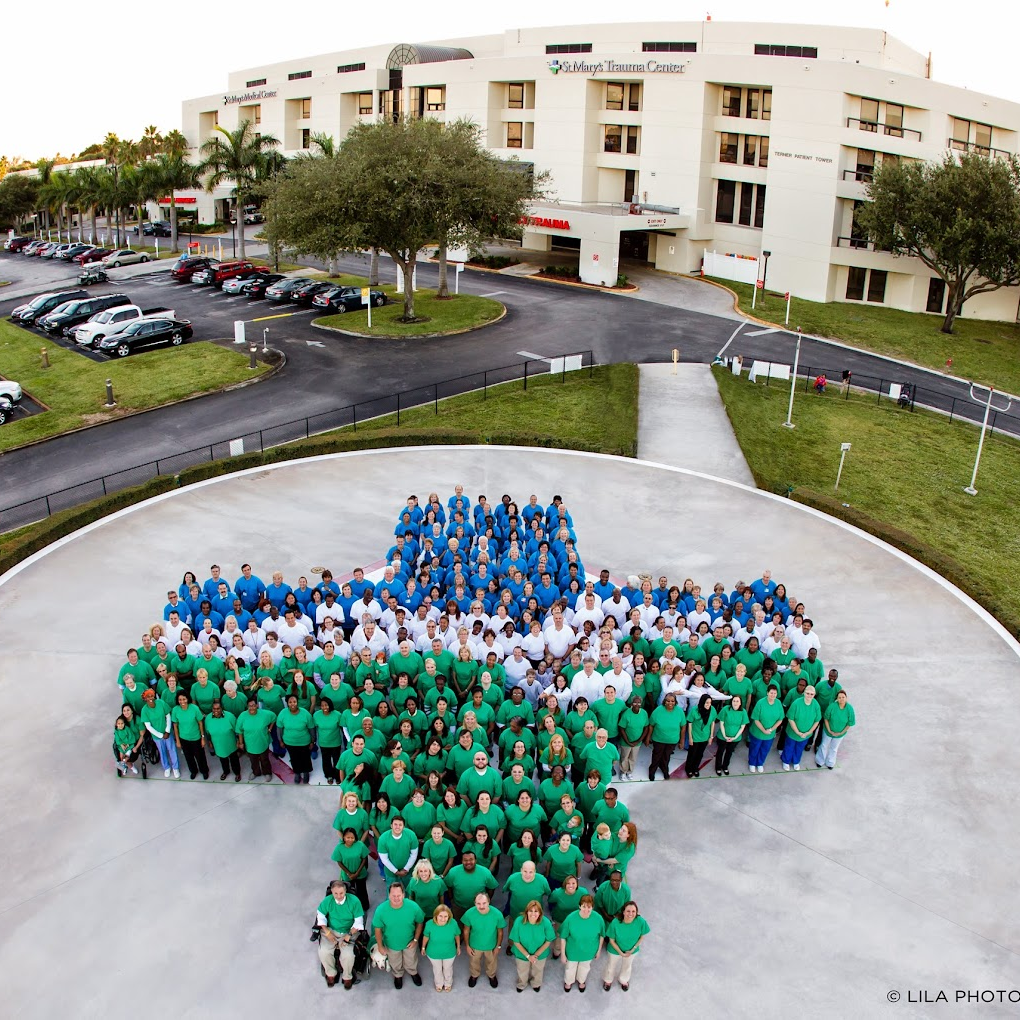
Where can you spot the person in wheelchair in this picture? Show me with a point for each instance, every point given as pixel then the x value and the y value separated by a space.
pixel 340 919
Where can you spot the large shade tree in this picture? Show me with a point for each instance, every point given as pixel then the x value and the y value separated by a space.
pixel 959 216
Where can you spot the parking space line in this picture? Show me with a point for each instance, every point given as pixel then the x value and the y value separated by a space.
pixel 265 318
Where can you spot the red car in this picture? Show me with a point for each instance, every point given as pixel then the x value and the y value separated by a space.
pixel 91 256
pixel 217 273
pixel 187 265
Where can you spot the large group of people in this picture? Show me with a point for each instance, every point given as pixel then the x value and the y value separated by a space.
pixel 474 706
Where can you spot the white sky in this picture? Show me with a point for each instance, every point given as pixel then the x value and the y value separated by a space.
pixel 118 46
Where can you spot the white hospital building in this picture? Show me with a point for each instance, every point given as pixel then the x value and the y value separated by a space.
pixel 663 140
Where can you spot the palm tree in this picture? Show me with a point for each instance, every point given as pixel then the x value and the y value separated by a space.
pixel 175 144
pixel 241 156
pixel 57 194
pixel 45 168
pixel 141 185
pixel 111 153
pixel 88 193
pixel 151 143
pixel 174 173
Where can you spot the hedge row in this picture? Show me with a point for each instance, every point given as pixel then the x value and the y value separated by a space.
pixel 18 545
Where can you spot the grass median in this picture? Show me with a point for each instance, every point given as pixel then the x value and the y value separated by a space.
pixel 982 350
pixel 455 314
pixel 74 387
pixel 903 479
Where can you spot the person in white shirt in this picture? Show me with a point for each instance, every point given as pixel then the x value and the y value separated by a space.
pixel 173 629
pixel 491 644
pixel 696 687
pixel 274 648
pixel 329 608
pixel 534 643
pixel 516 666
pixel 589 611
pixel 366 604
pixel 559 637
pixel 208 631
pixel 774 640
pixel 698 615
pixel 254 638
pixel 508 637
pixel 804 639
pixel 589 589
pixel 619 678
pixel 368 635
pixel 312 650
pixel 423 642
pixel 588 683
pixel 291 632
pixel 193 646
pixel 241 651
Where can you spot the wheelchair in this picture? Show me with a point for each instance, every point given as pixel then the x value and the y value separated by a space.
pixel 362 955
pixel 148 754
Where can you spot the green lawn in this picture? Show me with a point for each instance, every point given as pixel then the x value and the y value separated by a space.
pixel 981 350
pixel 458 312
pixel 906 471
pixel 73 387
pixel 600 410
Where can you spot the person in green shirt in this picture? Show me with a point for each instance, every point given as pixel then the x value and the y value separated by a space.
pixel 204 692
pixel 419 816
pixel 517 746
pixel 839 717
pixel 155 717
pixel 235 703
pixel 126 742
pixel 466 880
pixel 733 723
pixel 397 924
pixel 701 723
pixel 480 778
pixel 611 895
pixel 441 944
pixel 253 729
pixel 351 855
pixel 515 782
pixel 525 814
pixel 551 790
pixel 524 886
pixel 483 928
pixel 524 848
pixel 624 939
pixel 132 693
pixel 802 717
pixel 219 728
pixel 562 860
pixel 562 903
pixel 398 785
pixel 632 726
pixel 583 933
pixel 600 755
pixel 531 938
pixel 138 668
pixel 825 694
pixel 357 764
pixel 667 725
pixel 567 820
pixel 439 851
pixel 589 795
pixel 480 842
pixel 352 815
pixel 766 718
pixel 451 814
pixel 329 737
pixel 340 916
pixel 338 691
pixel 462 755
pixel 189 733
pixel 398 851
pixel 295 725
pixel 426 888
pixel 271 698
pixel 516 707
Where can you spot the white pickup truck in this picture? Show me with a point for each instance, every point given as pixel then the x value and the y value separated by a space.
pixel 113 321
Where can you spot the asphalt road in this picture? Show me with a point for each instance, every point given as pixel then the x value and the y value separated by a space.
pixel 328 371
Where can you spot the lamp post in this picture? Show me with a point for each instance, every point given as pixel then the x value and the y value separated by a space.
pixel 233 236
pixel 844 449
pixel 765 272
pixel 969 489
pixel 788 424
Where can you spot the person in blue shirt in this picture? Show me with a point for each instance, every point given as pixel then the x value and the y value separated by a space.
pixel 206 612
pixel 212 585
pixel 327 583
pixel 185 588
pixel 413 509
pixel 249 587
pixel 239 613
pixel 223 601
pixel 278 591
pixel 763 586
pixel 177 605
pixel 603 586
pixel 631 591
pixel 546 593
pixel 303 593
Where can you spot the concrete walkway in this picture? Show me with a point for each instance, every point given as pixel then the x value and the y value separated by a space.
pixel 709 445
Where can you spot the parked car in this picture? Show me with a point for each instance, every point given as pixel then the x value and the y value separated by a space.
pixel 17 244
pixel 33 246
pixel 346 299
pixel 72 314
pixel 113 321
pixel 43 304
pixel 40 249
pixel 56 251
pixel 124 257
pixel 75 250
pixel 282 291
pixel 146 333
pixel 256 289
pixel 10 397
pixel 187 265
pixel 237 284
pixel 304 295
pixel 91 255
pixel 161 228
pixel 215 275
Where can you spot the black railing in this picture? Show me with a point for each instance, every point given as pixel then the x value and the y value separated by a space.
pixel 855 242
pixel 892 130
pixel 982 150
pixel 861 176
pixel 33 510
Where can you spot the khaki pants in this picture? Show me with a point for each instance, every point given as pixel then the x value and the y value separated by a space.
pixel 328 961
pixel 477 956
pixel 402 960
pixel 442 971
pixel 575 969
pixel 628 757
pixel 621 964
pixel 529 973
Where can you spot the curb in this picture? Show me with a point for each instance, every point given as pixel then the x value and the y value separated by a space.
pixel 632 288
pixel 273 371
pixel 418 336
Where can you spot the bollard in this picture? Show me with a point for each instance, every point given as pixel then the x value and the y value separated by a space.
pixel 252 351
pixel 110 402
pixel 45 355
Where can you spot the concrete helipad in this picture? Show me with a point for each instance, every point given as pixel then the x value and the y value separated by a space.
pixel 818 893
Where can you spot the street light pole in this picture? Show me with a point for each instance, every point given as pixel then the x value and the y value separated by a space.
pixel 233 236
pixel 765 272
pixel 788 424
pixel 969 489
pixel 844 449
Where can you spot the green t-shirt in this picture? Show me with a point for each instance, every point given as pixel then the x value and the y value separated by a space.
pixel 508 710
pixel 549 795
pixel 667 725
pixel 609 901
pixel 428 895
pixel 397 924
pixel 459 760
pixel 574 722
pixel 471 784
pixel 588 797
pixel 561 905
pixel 141 671
pixel 767 715
pixel 825 694
pixel 745 688
pixel 609 715
pixel 581 935
pixel 134 699
pixel 600 758
pixel 494 820
pixel 563 864
pixel 254 730
pixel 340 916
pixel 626 935
pixel 700 730
pixel 187 720
pixel 419 819
pixel 730 720
pixel 439 854
pixel 426 763
pixel 214 668
pixel 221 732
pixel 803 716
pixel 531 937
pixel 517 820
pixel 156 716
pixel 838 718
pixel 452 817
pixel 272 699
pixel 632 725
pixel 358 821
pixel 442 940
pixel 484 928
pixel 399 793
pixel 295 728
pixel 397 850
pixel 521 893
pixel 485 853
pixel 464 886
pixel 381 822
pixel 327 727
pixel 352 859
pixel 234 706
pixel 349 761
pixel 205 696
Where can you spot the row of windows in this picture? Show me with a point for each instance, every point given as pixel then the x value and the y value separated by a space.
pixel 871 121
pixel 621 139
pixel 980 139
pixel 755 149
pixel 620 96
pixel 751 209
pixel 577 47
pixel 772 50
pixel 294 75
pixel 669 47
pixel 747 102
pixel 344 68
pixel 866 281
pixel 256 81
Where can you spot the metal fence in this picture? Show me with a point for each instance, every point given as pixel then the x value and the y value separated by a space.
pixel 33 510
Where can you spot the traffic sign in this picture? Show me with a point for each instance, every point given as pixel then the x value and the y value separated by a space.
pixel 760 284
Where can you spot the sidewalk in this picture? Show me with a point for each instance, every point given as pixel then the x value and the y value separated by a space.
pixel 711 447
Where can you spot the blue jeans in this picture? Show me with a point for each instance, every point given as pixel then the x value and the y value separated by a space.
pixel 792 750
pixel 167 752
pixel 758 750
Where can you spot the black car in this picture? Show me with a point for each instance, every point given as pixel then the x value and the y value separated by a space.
pixel 43 304
pixel 282 290
pixel 161 228
pixel 72 314
pixel 75 250
pixel 146 333
pixel 346 299
pixel 304 295
pixel 257 287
